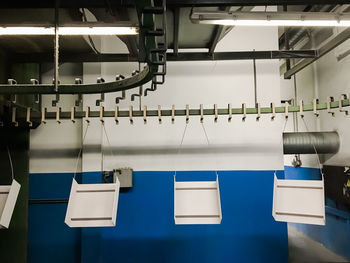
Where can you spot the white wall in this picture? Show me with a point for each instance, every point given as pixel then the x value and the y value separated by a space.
pixel 250 145
pixel 327 77
pixel 53 147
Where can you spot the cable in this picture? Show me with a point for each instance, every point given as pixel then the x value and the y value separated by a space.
pixel 81 150
pixel 10 159
pixel 182 139
pixel 313 145
pixel 206 135
pixel 109 143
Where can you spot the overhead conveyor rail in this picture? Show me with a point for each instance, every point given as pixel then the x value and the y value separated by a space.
pixel 148 44
pixel 26 117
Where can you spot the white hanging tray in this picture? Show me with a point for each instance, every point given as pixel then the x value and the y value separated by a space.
pixel 197 202
pixel 92 205
pixel 8 198
pixel 299 201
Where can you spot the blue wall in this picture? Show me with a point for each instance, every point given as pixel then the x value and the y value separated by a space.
pixel 335 235
pixel 146 232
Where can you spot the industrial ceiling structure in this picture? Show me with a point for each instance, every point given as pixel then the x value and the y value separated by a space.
pixel 162 36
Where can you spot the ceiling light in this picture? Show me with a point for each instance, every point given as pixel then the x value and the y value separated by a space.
pixel 27 30
pixel 97 31
pixel 300 19
pixel 69 30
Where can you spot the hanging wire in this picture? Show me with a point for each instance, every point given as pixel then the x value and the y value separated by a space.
pixel 10 159
pixel 81 150
pixel 109 143
pixel 182 140
pixel 206 136
pixel 313 145
pixel 205 133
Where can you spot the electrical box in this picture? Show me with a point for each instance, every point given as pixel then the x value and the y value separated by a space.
pixel 124 175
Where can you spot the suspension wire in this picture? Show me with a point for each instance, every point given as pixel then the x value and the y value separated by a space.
pixel 313 145
pixel 182 140
pixel 109 143
pixel 10 159
pixel 205 133
pixel 81 150
pixel 206 136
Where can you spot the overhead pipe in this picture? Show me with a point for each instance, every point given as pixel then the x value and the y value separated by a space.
pixel 310 142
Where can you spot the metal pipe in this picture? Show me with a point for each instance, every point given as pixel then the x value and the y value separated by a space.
pixel 310 142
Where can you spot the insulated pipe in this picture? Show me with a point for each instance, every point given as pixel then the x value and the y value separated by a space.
pixel 307 142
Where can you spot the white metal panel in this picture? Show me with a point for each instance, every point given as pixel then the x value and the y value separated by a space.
pixel 197 203
pixel 92 205
pixel 8 198
pixel 299 201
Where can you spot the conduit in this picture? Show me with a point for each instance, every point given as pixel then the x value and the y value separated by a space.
pixel 307 142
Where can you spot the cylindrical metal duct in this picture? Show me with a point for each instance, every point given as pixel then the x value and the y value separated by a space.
pixel 306 142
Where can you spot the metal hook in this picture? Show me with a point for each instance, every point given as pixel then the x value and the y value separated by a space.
pixel 173 114
pixel 130 115
pixel 273 110
pixel 102 99
pixel 57 100
pixel 201 111
pixel 286 110
pixel 118 99
pixel 229 112
pixel 187 113
pixel 101 114
pixel 43 114
pixel 14 109
pixel 87 113
pixel 116 110
pixel 145 114
pixel 30 124
pixel 78 81
pixel 12 82
pixel 58 112
pixel 301 106
pixel 314 106
pixel 329 101
pixel 341 104
pixel 159 114
pixel 216 113
pixel 259 111
pixel 36 96
pixel 244 111
pixel 72 114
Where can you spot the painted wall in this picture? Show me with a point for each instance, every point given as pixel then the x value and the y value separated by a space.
pixel 327 77
pixel 244 153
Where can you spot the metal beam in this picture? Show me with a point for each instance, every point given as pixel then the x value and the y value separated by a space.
pixel 170 3
pixel 186 56
pixel 191 3
pixel 323 50
pixel 176 30
pixel 217 36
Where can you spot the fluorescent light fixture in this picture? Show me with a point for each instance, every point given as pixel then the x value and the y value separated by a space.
pixel 27 31
pixel 69 30
pixel 299 19
pixel 96 31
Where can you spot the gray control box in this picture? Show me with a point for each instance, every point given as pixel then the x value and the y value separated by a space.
pixel 124 175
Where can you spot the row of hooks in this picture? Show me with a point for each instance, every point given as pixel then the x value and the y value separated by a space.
pixel 187 112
